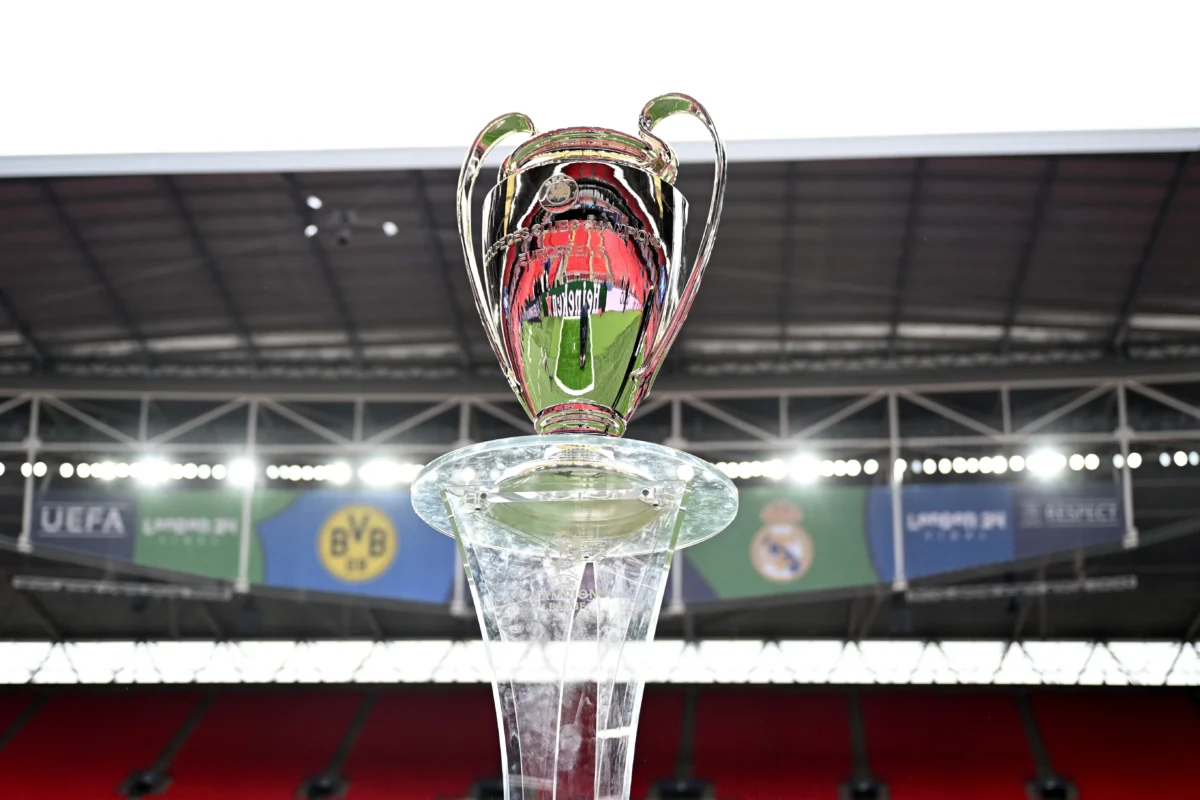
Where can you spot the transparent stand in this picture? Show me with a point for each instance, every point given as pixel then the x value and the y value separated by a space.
pixel 567 541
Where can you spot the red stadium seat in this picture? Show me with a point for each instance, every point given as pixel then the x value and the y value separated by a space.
pixel 422 744
pixel 946 746
pixel 1122 746
pixel 12 705
pixel 84 744
pixel 657 745
pixel 261 745
pixel 772 744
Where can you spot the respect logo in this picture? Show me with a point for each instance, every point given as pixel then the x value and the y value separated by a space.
pixel 357 543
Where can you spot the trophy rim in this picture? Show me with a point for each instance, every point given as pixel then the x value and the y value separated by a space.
pixel 711 499
pixel 586 143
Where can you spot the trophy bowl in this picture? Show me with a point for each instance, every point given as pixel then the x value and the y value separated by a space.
pixel 583 284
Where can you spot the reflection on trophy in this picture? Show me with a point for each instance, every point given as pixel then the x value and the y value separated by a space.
pixel 582 285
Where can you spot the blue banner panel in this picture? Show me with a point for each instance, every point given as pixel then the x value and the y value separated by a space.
pixel 97 525
pixel 366 543
pixel 1054 518
pixel 946 528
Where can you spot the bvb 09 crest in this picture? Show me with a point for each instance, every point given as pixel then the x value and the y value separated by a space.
pixel 357 543
pixel 781 551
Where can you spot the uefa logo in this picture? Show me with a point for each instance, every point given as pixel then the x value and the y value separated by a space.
pixel 781 551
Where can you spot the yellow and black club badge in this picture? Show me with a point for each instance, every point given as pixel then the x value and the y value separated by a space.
pixel 357 543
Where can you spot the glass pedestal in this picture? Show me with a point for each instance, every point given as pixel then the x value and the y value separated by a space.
pixel 567 540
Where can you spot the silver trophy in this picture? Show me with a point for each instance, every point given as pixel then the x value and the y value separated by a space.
pixel 567 537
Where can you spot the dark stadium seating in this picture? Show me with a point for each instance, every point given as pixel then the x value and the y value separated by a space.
pixel 257 745
pixel 946 746
pixel 1124 746
pixel 657 744
pixel 12 704
pixel 768 743
pixel 421 744
pixel 84 744
pixel 772 744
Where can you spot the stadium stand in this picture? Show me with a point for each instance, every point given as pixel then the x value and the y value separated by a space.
pixel 429 743
pixel 1122 746
pixel 85 744
pixel 772 744
pixel 261 744
pixel 945 746
pixel 657 747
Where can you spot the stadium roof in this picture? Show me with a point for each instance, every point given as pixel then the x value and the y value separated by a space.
pixel 864 265
pixel 825 271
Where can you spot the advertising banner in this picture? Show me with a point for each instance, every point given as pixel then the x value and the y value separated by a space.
pixel 946 528
pixel 783 540
pixel 368 543
pixel 93 524
pixel 365 543
pixel 1049 519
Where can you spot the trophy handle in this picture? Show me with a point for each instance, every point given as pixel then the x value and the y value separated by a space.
pixel 654 112
pixel 491 135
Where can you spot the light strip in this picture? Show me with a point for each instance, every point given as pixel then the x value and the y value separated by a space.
pixel 888 662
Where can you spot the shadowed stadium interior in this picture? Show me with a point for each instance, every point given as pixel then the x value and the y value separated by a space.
pixel 859 314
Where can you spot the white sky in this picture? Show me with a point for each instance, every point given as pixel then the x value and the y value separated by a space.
pixel 220 76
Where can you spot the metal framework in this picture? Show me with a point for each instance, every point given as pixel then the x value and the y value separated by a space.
pixel 891 422
pixel 993 662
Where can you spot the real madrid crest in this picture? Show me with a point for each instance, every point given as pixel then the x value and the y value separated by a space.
pixel 781 551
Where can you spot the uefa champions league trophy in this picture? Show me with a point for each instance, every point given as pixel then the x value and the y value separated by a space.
pixel 567 536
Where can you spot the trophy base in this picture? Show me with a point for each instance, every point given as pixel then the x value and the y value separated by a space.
pixel 567 541
pixel 580 418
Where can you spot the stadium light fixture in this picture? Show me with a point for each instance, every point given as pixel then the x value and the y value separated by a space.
pixel 1194 458
pixel 930 466
pixel 1164 459
pixel 310 231
pixel 190 471
pixel 917 466
pixel 204 472
pixel 1118 460
pixel 66 470
pixel 241 472
pixel 1016 463
pixel 853 468
pixel 828 468
pixel 1134 460
pixel 999 465
pixel 960 465
pixel 313 202
pixel 150 471
pixel 1075 462
pixel 871 466
pixel 339 473
pixel 378 472
pixel 944 466
pixel 39 469
pixel 1 467
pixel 219 472
pixel 1046 463
pixel 1091 461
pixel 390 228
pixel 1181 458
pixel 972 465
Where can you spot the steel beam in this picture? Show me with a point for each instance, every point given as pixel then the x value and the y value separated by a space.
pixel 458 318
pixel 1137 282
pixel 98 270
pixel 212 266
pixel 787 256
pixel 1036 218
pixel 325 268
pixel 904 261
pixel 25 330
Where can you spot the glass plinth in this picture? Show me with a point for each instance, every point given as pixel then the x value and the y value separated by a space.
pixel 567 540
